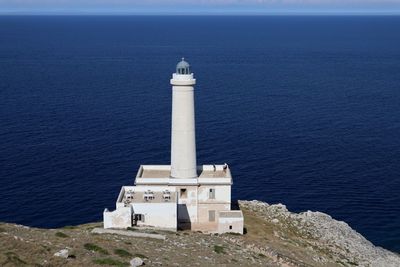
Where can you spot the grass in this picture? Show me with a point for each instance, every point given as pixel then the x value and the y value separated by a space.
pixel 109 262
pixel 122 253
pixel 232 233
pixel 14 259
pixel 70 227
pixel 95 248
pixel 219 249
pixel 61 234
pixel 45 247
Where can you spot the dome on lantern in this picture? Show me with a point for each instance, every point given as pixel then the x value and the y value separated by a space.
pixel 183 67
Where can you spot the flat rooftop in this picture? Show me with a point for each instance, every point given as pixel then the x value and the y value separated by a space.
pixel 164 171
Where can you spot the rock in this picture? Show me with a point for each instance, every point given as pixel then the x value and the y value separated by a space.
pixel 136 262
pixel 64 253
pixel 343 244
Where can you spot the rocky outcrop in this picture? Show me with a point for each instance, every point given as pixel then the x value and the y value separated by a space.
pixel 62 253
pixel 331 239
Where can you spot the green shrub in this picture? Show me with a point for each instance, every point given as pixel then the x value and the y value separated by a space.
pixel 95 248
pixel 13 258
pixel 69 227
pixel 61 234
pixel 219 249
pixel 122 253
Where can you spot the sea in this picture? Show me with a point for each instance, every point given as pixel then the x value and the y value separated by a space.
pixel 304 109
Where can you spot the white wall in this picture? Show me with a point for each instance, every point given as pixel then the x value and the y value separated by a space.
pixel 225 223
pixel 161 215
pixel 120 218
pixel 222 193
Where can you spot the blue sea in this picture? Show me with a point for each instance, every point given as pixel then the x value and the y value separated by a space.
pixel 304 109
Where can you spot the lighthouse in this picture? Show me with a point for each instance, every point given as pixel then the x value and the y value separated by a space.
pixel 183 136
pixel 182 194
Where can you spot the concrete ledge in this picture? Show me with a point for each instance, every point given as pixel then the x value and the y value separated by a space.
pixel 127 233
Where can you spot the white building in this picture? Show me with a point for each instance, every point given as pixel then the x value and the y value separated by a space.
pixel 181 195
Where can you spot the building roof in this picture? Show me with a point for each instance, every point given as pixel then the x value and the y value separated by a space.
pixel 154 173
pixel 161 174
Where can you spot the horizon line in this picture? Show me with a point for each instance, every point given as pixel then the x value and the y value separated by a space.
pixel 208 13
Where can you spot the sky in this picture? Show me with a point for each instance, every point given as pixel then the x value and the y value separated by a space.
pixel 200 7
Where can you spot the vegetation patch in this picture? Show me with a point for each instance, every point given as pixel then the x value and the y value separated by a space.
pixel 61 234
pixel 2 230
pixel 219 249
pixel 109 262
pixel 122 253
pixel 232 233
pixel 95 248
pixel 69 227
pixel 140 255
pixel 14 259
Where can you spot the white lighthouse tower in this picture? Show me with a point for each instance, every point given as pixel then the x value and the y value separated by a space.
pixel 183 136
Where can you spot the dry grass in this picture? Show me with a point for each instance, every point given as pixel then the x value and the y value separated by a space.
pixel 21 246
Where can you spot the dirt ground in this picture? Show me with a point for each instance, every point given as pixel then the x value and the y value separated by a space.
pixel 264 244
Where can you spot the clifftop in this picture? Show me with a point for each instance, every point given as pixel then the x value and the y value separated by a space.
pixel 274 237
pixel 320 239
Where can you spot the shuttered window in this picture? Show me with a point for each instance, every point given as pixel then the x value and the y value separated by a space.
pixel 211 215
pixel 211 194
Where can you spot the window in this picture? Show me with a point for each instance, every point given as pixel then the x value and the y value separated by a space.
pixel 230 227
pixel 183 193
pixel 139 217
pixel 211 194
pixel 211 215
